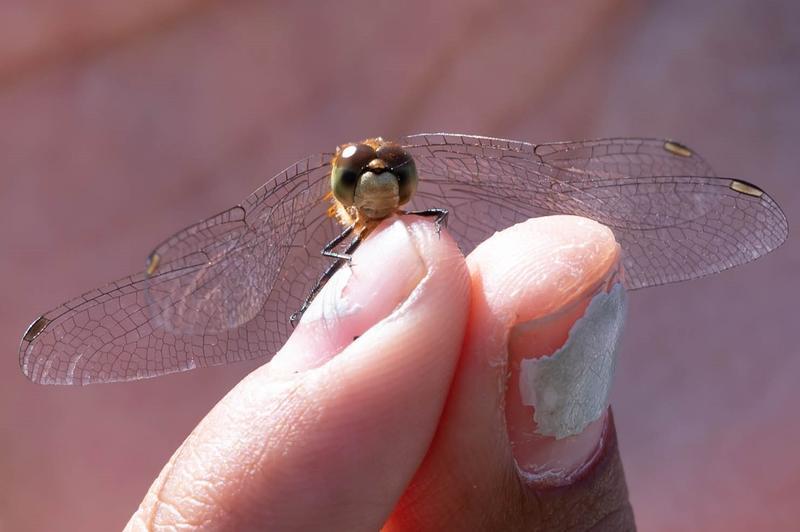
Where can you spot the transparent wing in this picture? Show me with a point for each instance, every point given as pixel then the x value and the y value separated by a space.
pixel 622 157
pixel 219 291
pixel 674 220
pixel 222 290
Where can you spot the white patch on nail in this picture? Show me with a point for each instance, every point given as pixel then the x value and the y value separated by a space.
pixel 331 301
pixel 569 389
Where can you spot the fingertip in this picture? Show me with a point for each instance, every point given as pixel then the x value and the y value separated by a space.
pixel 403 262
pixel 536 266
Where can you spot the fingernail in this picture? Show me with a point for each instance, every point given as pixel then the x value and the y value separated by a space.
pixel 561 370
pixel 385 270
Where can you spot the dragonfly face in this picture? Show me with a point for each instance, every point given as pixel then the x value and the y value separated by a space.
pixel 222 290
pixel 371 179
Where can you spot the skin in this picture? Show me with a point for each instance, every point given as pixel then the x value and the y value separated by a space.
pixel 410 426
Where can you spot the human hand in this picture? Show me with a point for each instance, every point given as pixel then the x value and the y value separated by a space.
pixel 418 424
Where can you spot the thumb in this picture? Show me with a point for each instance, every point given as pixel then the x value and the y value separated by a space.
pixel 328 434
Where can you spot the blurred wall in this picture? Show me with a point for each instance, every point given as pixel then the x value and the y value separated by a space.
pixel 121 122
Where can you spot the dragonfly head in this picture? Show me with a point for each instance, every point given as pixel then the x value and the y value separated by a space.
pixel 374 176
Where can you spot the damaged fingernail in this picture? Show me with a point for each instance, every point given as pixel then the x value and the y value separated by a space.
pixel 569 389
pixel 562 367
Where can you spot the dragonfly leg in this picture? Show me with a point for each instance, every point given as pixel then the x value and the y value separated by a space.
pixel 341 258
pixel 440 215
pixel 327 251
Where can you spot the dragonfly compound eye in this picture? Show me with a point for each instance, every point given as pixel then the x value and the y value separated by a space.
pixel 348 166
pixel 400 163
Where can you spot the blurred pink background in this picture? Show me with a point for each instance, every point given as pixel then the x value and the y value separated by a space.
pixel 122 122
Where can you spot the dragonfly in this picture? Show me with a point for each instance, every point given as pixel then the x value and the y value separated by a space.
pixel 231 287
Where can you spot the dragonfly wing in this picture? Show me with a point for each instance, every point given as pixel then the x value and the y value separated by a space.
pixel 216 292
pixel 623 157
pixel 674 220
